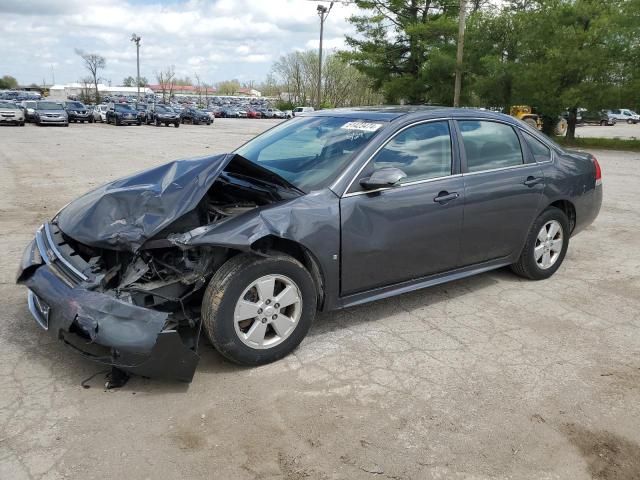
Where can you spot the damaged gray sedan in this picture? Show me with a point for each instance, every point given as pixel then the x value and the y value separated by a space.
pixel 328 210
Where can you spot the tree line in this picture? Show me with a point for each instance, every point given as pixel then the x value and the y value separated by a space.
pixel 556 55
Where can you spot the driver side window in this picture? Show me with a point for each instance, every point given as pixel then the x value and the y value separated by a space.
pixel 422 152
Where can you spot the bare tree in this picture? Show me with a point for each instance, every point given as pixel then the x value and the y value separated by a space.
pixel 199 88
pixel 93 63
pixel 166 80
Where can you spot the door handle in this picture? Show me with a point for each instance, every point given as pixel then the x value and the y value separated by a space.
pixel 445 197
pixel 531 181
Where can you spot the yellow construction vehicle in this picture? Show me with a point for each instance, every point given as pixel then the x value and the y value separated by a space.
pixel 527 115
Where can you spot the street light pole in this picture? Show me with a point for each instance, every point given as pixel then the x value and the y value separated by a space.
pixel 136 39
pixel 323 12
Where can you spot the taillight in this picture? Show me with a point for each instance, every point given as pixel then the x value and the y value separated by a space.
pixel 598 171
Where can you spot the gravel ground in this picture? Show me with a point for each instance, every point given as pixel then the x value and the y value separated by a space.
pixel 619 130
pixel 491 377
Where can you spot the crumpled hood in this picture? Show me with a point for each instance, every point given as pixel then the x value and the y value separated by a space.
pixel 124 214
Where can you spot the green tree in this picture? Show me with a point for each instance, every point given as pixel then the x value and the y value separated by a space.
pixel 556 55
pixel 8 82
pixel 227 87
pixel 406 47
pixel 131 82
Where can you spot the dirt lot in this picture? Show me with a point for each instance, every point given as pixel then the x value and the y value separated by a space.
pixel 491 377
pixel 619 130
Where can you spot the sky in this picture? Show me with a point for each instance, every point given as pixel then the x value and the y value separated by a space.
pixel 217 39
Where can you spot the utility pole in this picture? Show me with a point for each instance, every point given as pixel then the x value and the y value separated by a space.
pixel 458 83
pixel 323 13
pixel 136 39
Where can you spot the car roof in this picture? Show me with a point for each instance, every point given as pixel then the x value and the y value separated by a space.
pixel 392 112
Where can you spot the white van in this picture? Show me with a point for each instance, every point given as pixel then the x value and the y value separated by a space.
pixel 302 110
pixel 625 115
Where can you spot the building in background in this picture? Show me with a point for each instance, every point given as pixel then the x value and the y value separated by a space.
pixel 62 92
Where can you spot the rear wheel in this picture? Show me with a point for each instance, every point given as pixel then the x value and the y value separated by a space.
pixel 546 246
pixel 258 309
pixel 561 127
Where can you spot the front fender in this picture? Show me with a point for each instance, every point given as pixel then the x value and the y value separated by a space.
pixel 312 220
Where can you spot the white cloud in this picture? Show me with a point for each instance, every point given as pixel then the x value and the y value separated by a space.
pixel 217 38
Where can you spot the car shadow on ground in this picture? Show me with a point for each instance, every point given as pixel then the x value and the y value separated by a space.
pixel 70 368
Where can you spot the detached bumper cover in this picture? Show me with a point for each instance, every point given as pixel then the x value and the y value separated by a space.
pixel 101 327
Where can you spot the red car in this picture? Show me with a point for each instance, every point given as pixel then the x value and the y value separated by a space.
pixel 251 113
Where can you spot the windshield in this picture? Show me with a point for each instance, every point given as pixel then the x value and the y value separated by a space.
pixel 8 105
pixel 310 152
pixel 49 106
pixel 123 108
pixel 76 105
pixel 161 109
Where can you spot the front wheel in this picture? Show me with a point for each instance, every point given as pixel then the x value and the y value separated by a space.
pixel 546 246
pixel 177 124
pixel 258 309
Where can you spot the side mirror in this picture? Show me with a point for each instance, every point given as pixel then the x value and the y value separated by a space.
pixel 383 178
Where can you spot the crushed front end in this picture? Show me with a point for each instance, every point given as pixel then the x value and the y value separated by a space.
pixel 137 312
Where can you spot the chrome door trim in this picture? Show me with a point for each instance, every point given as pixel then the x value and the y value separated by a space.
pixel 408 184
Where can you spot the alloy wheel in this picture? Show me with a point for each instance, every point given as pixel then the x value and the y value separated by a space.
pixel 268 311
pixel 549 244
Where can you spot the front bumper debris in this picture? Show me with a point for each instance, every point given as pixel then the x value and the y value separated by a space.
pixel 98 325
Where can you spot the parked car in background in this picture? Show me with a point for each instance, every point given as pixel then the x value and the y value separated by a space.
pixel 624 115
pixel 122 114
pixel 11 113
pixel 194 116
pixel 246 247
pixel 77 111
pixel 48 112
pixel 142 112
pixel 275 113
pixel 288 114
pixel 100 113
pixel 298 110
pixel 597 117
pixel 232 112
pixel 159 114
pixel 28 107
pixel 253 113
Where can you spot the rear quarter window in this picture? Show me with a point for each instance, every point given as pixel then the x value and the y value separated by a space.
pixel 539 150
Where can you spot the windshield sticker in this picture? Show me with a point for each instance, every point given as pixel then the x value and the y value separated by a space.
pixel 361 126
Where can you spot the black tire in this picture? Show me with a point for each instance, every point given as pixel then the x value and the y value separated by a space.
pixel 526 266
pixel 630 122
pixel 117 122
pixel 139 123
pixel 177 124
pixel 225 288
pixel 603 123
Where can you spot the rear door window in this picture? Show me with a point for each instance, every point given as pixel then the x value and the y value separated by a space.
pixel 490 145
